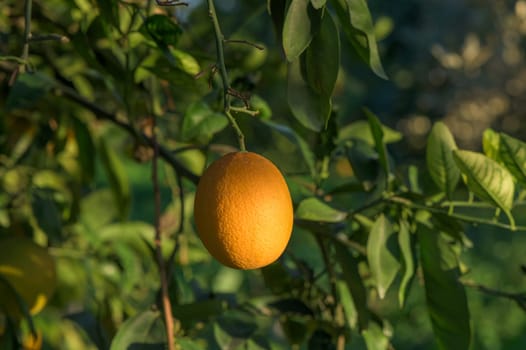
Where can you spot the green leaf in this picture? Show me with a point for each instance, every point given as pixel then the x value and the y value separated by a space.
pixel 357 24
pixel 142 331
pixel 313 209
pixel 162 30
pixel 491 144
pixel 512 152
pixel 322 58
pixel 98 209
pixel 117 177
pixel 362 131
pixel 382 254
pixel 486 178
pixel 446 298
pixel 46 213
pixel 201 123
pixel 297 29
pixel 408 264
pixel 311 109
pixel 303 146
pixel 349 266
pixel 345 299
pixel 109 10
pixel 378 136
pixel 439 157
pixel 364 162
pixel 27 90
pixel 374 337
pixel 318 4
pixel 276 9
pixel 86 149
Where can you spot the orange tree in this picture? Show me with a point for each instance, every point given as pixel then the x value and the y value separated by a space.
pixel 111 111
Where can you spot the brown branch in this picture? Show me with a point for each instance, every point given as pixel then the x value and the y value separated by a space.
pixel 102 114
pixel 519 298
pixel 165 298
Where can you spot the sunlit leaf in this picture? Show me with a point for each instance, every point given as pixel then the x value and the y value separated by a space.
pixel 318 4
pixel 407 261
pixel 486 178
pixel 297 31
pixel 201 123
pixel 439 157
pixel 357 24
pixel 117 177
pixel 313 209
pixel 308 107
pixel 361 130
pixel 491 143
pixel 143 331
pixel 382 254
pixel 349 266
pixel 512 152
pixel 322 57
pixel 378 137
pixel 374 337
pixel 446 298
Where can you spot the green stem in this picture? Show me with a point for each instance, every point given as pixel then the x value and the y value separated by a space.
pixel 27 29
pixel 224 75
pixel 465 218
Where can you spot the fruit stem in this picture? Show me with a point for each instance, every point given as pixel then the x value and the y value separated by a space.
pixel 220 39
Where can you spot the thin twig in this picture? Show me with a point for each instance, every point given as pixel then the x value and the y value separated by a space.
pixel 246 42
pixel 105 115
pixel 49 37
pixel 167 306
pixel 27 28
pixel 224 75
pixel 519 298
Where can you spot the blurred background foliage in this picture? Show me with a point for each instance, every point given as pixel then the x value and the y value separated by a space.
pixel 78 183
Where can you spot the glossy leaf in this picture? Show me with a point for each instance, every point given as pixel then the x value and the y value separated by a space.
pixel 117 177
pixel 86 149
pixel 491 143
pixel 407 261
pixel 161 29
pixel 378 137
pixel 362 131
pixel 308 107
pixel 303 146
pixel 374 337
pixel 145 330
pixel 27 90
pixel 322 58
pixel 351 276
pixel 486 178
pixel 439 157
pixel 357 24
pixel 364 162
pixel 297 32
pixel 313 209
pixel 446 298
pixel 512 152
pixel 382 254
pixel 318 4
pixel 201 123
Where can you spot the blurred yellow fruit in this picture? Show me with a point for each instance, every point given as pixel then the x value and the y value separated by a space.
pixel 30 270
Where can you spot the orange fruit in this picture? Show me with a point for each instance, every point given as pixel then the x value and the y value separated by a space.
pixel 243 211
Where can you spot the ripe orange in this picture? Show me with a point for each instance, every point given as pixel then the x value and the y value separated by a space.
pixel 243 211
